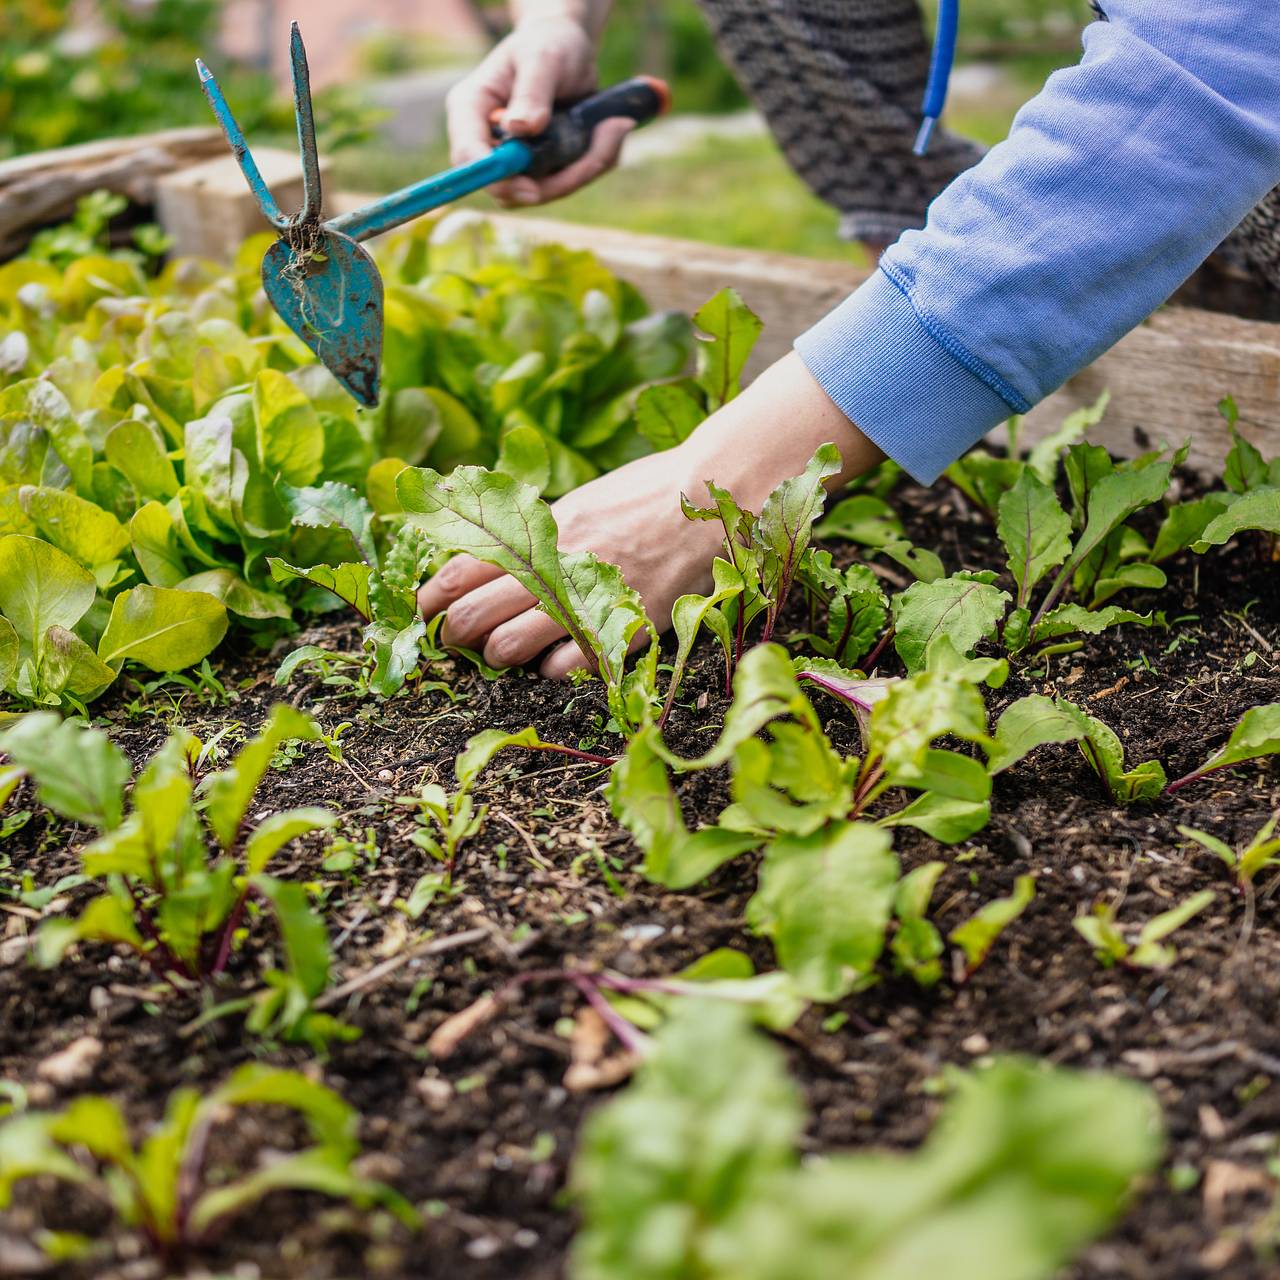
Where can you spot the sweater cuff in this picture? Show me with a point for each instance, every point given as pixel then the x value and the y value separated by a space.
pixel 897 382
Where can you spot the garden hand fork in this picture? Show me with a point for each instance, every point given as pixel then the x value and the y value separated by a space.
pixel 324 285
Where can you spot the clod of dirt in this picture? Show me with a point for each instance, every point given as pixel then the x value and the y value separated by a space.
pixel 72 1065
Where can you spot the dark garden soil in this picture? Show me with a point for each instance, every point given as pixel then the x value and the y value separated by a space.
pixel 484 1137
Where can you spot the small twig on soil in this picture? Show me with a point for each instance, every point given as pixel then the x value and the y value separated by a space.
pixel 1261 639
pixel 534 852
pixel 379 972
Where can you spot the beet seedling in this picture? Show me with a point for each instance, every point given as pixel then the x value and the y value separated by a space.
pixel 977 935
pixel 1090 554
pixel 694 1170
pixel 1111 947
pixel 1256 736
pixel 180 870
pixel 1261 852
pixel 1252 500
pixel 160 1186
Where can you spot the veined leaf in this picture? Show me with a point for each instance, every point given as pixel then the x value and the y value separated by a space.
pixel 728 331
pixel 1072 619
pixel 1031 722
pixel 163 629
pixel 334 506
pixel 864 519
pixel 79 772
pixel 1035 530
pixel 667 415
pixel 41 587
pixel 1257 510
pixel 87 533
pixel 965 608
pixel 234 592
pixel 1257 735
pixel 349 582
pixel 826 899
pixel 290 435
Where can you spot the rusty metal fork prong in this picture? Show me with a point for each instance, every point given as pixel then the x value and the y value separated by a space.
pixel 312 195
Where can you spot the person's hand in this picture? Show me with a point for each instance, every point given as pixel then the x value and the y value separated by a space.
pixel 544 59
pixel 632 518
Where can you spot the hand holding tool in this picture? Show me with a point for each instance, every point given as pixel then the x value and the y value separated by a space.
pixel 324 285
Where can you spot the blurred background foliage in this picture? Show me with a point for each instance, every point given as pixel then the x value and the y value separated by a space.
pixel 71 72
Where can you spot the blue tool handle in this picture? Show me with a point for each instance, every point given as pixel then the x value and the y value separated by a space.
pixel 568 137
pixel 565 140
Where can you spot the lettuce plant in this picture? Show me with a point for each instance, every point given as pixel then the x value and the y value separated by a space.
pixel 181 869
pixel 694 1170
pixel 170 438
pixel 161 1187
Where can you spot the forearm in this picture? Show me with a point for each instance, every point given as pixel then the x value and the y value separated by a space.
pixel 591 15
pixel 1116 182
pixel 768 433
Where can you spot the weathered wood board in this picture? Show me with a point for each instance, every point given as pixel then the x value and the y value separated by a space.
pixel 43 188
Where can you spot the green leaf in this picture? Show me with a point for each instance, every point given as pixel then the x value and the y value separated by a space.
pixel 945 818
pixel 864 519
pixel 667 415
pixel 977 935
pixel 41 587
pixel 164 629
pixel 1127 577
pixel 964 608
pixel 79 772
pixel 396 654
pixel 917 946
pixel 523 455
pixel 238 596
pixel 302 931
pixel 1073 619
pixel 642 799
pixel 319 1169
pixel 669 1169
pixel 290 436
pixel 1031 722
pixel 1184 525
pixel 138 451
pixel 1245 468
pixel 1256 510
pixel 230 791
pixel 273 833
pixel 786 523
pixel 105 919
pixel 825 899
pixel 505 524
pixel 1257 735
pixel 1105 753
pixel 1035 530
pixel 922 564
pixel 68 665
pixel 1149 953
pixel 480 749
pixel 728 331
pixel 690 613
pixel 156 545
pixel 87 533
pixel 349 582
pixel 1112 500
pixel 334 506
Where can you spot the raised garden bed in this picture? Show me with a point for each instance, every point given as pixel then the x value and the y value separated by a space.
pixel 475 945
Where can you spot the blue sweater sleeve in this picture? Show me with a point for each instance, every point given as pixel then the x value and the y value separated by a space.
pixel 1115 183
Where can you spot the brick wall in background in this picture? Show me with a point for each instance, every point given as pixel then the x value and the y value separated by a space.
pixel 335 29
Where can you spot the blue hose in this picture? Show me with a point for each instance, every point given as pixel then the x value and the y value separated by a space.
pixel 944 57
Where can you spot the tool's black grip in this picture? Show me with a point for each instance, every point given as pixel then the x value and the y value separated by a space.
pixel 568 137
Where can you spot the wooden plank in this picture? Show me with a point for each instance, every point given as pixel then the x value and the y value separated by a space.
pixel 43 188
pixel 209 210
